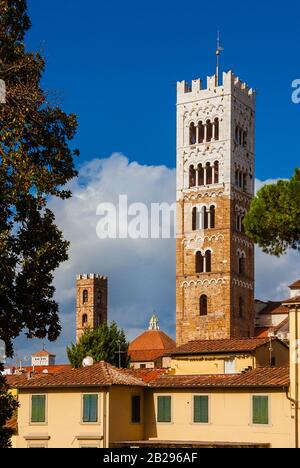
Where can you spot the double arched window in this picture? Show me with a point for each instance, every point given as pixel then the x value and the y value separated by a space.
pixel 204 218
pixel 203 305
pixel 204 175
pixel 203 262
pixel 241 136
pixel 204 132
pixel 241 179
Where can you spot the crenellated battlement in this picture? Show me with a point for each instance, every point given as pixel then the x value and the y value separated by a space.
pixel 231 84
pixel 91 276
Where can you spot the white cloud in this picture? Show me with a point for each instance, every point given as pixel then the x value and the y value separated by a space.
pixel 141 272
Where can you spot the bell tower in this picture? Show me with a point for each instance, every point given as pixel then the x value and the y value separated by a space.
pixel 215 186
pixel 91 302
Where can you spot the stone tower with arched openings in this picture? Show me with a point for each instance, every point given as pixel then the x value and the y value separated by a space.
pixel 215 185
pixel 91 302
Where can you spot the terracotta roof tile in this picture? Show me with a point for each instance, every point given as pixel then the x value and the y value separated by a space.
pixel 147 355
pixel 152 340
pixel 263 377
pixel 274 308
pixel 12 424
pixel 293 300
pixel 295 285
pixel 100 374
pixel 221 346
pixel 147 375
pixel 42 353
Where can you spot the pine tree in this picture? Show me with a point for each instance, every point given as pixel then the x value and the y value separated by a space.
pixel 273 221
pixel 36 162
pixel 102 344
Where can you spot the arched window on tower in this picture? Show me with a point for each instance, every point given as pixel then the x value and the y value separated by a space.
pixel 200 175
pixel 203 305
pixel 209 174
pixel 208 261
pixel 216 172
pixel 205 218
pixel 245 180
pixel 192 176
pixel 201 132
pixel 241 307
pixel 212 212
pixel 209 131
pixel 193 134
pixel 84 320
pixel 241 264
pixel 194 220
pixel 217 129
pixel 85 296
pixel 199 263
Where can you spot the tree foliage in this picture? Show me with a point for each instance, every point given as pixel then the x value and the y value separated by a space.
pixel 102 344
pixel 36 162
pixel 8 406
pixel 273 221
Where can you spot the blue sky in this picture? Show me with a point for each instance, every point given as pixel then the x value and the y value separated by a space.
pixel 115 64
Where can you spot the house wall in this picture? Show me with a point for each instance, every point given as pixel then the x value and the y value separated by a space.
pixel 209 364
pixel 63 426
pixel 230 418
pixel 280 353
pixel 120 425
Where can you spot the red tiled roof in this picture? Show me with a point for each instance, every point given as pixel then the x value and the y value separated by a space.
pixel 293 300
pixel 12 424
pixel 263 332
pixel 152 340
pixel 295 285
pixel 147 375
pixel 146 356
pixel 42 353
pixel 235 345
pixel 100 374
pixel 263 377
pixel 274 308
pixel 50 369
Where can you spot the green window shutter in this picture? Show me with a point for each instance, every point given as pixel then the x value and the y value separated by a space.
pixel 90 408
pixel 260 410
pixel 201 409
pixel 136 409
pixel 38 409
pixel 164 409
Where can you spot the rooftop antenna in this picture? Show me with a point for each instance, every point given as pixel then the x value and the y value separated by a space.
pixel 218 53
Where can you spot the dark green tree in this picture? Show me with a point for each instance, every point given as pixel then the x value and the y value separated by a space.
pixel 8 406
pixel 273 221
pixel 102 344
pixel 36 162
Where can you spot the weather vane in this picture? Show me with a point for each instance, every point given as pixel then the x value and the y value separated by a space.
pixel 218 53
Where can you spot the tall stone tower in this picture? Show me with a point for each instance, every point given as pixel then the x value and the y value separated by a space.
pixel 91 302
pixel 215 185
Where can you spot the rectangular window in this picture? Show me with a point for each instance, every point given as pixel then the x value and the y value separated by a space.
pixel 90 409
pixel 230 366
pixel 136 409
pixel 38 409
pixel 164 409
pixel 201 409
pixel 260 410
